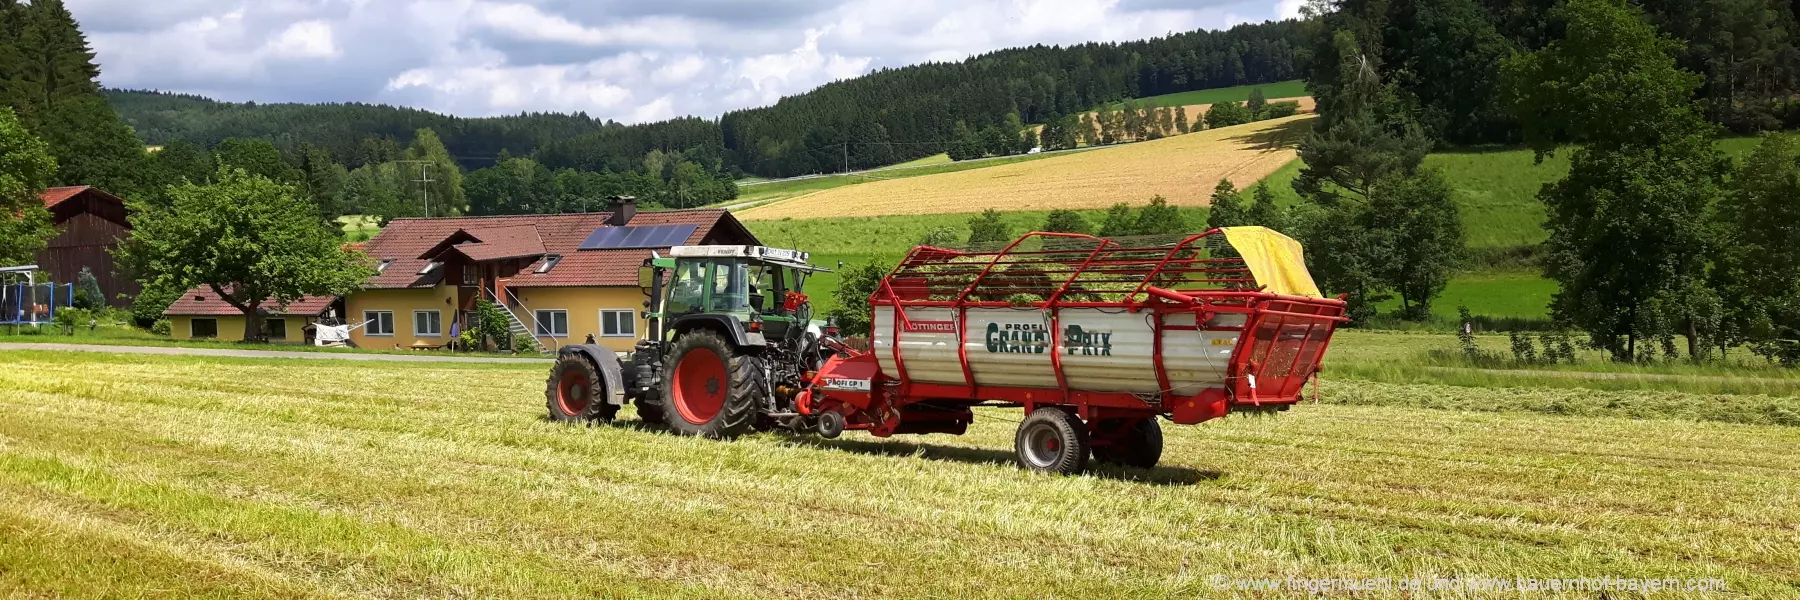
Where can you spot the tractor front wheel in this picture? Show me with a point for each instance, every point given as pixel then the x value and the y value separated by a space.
pixel 713 390
pixel 575 391
pixel 1051 440
pixel 1139 446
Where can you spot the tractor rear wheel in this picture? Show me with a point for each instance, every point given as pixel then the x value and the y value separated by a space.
pixel 575 391
pixel 713 391
pixel 1140 446
pixel 1051 440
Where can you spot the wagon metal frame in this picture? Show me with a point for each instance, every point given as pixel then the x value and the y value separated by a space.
pixel 1284 335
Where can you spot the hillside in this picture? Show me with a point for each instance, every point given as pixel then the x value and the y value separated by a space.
pixel 885 117
pixel 1182 169
pixel 1272 91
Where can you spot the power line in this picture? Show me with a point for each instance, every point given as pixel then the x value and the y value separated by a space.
pixel 424 179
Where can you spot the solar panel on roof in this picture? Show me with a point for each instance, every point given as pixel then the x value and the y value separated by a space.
pixel 652 236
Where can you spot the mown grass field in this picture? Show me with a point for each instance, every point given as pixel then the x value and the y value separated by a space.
pixel 1182 169
pixel 179 478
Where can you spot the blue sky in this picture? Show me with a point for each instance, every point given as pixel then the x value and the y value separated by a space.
pixel 628 61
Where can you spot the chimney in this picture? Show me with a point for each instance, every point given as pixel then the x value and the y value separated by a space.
pixel 623 208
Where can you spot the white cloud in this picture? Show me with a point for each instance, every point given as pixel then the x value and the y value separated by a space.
pixel 1290 9
pixel 627 60
pixel 527 22
pixel 306 39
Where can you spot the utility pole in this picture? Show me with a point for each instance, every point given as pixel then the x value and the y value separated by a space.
pixel 846 157
pixel 424 181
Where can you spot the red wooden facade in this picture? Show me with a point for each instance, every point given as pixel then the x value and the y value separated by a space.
pixel 90 224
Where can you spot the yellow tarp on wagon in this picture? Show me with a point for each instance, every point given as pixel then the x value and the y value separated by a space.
pixel 1276 261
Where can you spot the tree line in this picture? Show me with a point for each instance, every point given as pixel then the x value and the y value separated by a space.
pixel 900 114
pixel 1654 235
pixel 1445 58
pixel 885 117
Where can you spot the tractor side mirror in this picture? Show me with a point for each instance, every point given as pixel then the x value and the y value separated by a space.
pixel 646 276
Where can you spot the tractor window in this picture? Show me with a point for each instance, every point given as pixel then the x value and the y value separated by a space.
pixel 684 291
pixel 730 287
pixel 765 291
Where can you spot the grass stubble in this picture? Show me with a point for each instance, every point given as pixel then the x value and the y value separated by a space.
pixel 182 477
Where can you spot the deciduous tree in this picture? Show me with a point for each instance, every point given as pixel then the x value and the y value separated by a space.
pixel 1119 221
pixel 1159 218
pixel 1063 220
pixel 1757 263
pixel 1226 114
pixel 989 228
pixel 26 168
pixel 248 239
pixel 1628 239
pixel 1265 211
pixel 1227 207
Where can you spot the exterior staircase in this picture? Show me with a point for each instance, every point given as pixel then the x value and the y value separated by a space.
pixel 517 326
pixel 520 327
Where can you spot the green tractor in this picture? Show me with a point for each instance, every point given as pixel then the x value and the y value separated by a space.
pixel 729 341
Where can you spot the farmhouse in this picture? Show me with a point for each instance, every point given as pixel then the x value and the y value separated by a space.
pixel 200 314
pixel 560 278
pixel 89 225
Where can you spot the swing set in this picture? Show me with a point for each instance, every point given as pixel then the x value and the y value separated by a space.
pixel 25 301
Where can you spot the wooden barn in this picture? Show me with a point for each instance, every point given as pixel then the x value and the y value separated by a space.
pixel 90 223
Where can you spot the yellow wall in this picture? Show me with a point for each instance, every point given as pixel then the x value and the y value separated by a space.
pixel 232 328
pixel 402 302
pixel 584 305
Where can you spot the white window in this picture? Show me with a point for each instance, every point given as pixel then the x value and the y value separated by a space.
pixel 429 267
pixel 381 322
pixel 618 323
pixel 549 263
pixel 552 323
pixel 471 275
pixel 382 268
pixel 428 323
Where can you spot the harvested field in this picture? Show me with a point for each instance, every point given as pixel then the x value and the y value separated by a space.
pixel 1182 169
pixel 176 478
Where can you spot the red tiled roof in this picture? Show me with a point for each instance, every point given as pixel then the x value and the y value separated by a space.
pixel 202 302
pixel 56 195
pixel 495 243
pixel 403 241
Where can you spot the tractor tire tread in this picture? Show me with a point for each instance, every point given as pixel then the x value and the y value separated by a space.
pixel 741 401
pixel 598 409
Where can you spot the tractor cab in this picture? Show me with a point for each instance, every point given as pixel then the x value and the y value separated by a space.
pixel 757 288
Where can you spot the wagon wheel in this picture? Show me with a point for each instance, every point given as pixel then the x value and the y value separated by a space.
pixel 713 391
pixel 1052 440
pixel 1139 445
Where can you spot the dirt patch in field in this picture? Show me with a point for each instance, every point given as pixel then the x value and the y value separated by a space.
pixel 1182 169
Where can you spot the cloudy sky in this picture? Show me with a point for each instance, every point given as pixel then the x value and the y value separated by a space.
pixel 633 61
